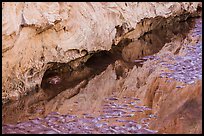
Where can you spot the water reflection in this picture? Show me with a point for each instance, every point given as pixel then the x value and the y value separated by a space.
pixel 188 68
pixel 153 41
pixel 62 76
pixel 117 117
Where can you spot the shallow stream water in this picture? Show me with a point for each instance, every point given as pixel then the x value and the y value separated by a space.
pixel 118 115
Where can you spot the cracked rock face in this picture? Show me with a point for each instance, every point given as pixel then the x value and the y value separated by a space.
pixel 35 34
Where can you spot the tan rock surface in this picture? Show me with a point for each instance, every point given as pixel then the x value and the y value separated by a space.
pixel 177 104
pixel 37 33
pixel 169 83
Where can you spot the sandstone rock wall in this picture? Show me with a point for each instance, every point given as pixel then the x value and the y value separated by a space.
pixel 175 99
pixel 36 33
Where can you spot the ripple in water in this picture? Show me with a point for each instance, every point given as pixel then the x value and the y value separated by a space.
pixel 116 118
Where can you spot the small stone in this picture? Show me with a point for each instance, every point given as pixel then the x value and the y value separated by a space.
pixel 112 98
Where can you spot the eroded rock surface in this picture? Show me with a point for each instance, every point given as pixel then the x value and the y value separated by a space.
pixel 35 34
pixel 167 84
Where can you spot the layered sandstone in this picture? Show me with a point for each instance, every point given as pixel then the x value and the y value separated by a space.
pixel 37 33
pixel 168 82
